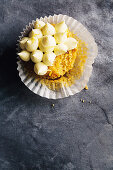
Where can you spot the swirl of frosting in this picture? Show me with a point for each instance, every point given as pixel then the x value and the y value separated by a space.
pixel 23 42
pixel 47 43
pixel 61 27
pixel 60 49
pixel 60 37
pixel 35 33
pixel 24 55
pixel 48 58
pixel 48 29
pixel 36 56
pixel 71 43
pixel 39 24
pixel 40 68
pixel 32 44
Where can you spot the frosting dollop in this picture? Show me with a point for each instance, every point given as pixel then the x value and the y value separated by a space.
pixel 36 56
pixel 61 27
pixel 47 43
pixel 60 37
pixel 48 29
pixel 40 68
pixel 48 58
pixel 35 33
pixel 24 55
pixel 23 42
pixel 60 49
pixel 32 44
pixel 39 24
pixel 71 43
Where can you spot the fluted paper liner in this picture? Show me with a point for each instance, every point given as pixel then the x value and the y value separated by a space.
pixel 81 32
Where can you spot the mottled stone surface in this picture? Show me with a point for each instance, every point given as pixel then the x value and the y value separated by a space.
pixel 71 135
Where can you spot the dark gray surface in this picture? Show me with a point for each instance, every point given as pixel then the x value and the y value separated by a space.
pixel 71 135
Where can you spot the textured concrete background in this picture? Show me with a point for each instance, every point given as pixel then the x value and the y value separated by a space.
pixel 71 135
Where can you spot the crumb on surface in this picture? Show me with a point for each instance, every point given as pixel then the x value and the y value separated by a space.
pixel 82 100
pixel 86 87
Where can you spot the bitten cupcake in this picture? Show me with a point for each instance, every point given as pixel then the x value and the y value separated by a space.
pixel 53 55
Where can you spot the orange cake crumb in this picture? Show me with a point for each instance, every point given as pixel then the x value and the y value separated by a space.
pixel 62 64
pixel 86 87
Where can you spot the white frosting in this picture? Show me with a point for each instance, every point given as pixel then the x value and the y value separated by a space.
pixel 48 58
pixel 71 43
pixel 60 37
pixel 48 40
pixel 47 43
pixel 36 56
pixel 60 49
pixel 40 68
pixel 32 44
pixel 48 29
pixel 35 33
pixel 23 42
pixel 24 55
pixel 39 24
pixel 61 27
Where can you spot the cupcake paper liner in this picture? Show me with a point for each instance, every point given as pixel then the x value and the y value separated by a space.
pixel 82 33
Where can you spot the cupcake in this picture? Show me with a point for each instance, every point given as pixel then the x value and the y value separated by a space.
pixel 53 57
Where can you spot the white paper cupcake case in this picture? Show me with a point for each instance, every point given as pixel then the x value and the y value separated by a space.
pixel 42 90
